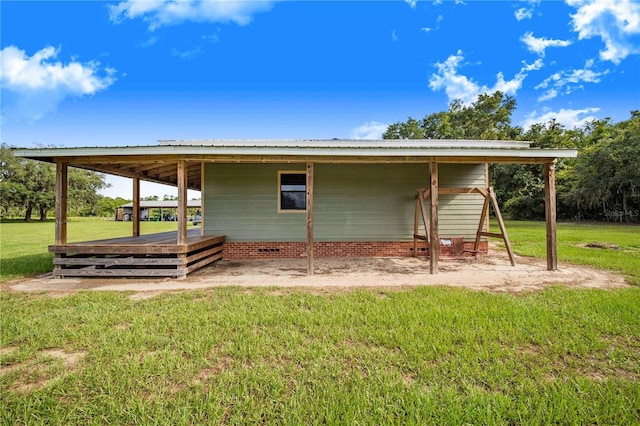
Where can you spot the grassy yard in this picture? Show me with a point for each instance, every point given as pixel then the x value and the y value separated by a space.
pixel 275 356
pixel 613 247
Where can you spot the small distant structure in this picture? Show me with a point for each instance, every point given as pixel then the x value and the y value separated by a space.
pixel 170 207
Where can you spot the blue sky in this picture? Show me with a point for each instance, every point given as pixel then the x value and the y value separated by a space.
pixel 98 73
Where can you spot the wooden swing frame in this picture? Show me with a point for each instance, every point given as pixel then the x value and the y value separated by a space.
pixel 423 194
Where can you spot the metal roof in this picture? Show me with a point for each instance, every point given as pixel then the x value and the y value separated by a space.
pixel 157 163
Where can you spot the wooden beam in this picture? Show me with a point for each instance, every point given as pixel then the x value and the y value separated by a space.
pixel 62 179
pixel 550 214
pixel 136 207
pixel 416 225
pixel 310 219
pixel 434 242
pixel 503 229
pixel 202 218
pixel 182 202
pixel 483 219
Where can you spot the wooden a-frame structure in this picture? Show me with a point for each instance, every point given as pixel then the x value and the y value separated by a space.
pixel 424 194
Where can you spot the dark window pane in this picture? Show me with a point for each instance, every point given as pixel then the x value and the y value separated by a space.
pixel 293 179
pixel 293 200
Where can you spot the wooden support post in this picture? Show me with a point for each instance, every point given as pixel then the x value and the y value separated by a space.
pixel 202 198
pixel 310 218
pixel 416 225
pixel 182 202
pixel 550 214
pixel 503 229
pixel 136 207
pixel 434 241
pixel 62 179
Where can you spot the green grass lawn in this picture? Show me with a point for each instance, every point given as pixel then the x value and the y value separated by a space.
pixel 238 356
pixel 620 252
pixel 293 356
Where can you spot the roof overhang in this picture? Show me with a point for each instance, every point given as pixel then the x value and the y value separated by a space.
pixel 158 163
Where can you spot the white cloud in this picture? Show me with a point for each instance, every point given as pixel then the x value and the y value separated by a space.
pixel 34 86
pixel 411 3
pixel 159 13
pixel 394 36
pixel 568 81
pixel 458 86
pixel 526 12
pixel 523 13
pixel 540 44
pixel 570 118
pixel 426 29
pixel 617 23
pixel 369 130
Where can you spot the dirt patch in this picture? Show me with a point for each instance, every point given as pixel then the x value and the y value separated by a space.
pixel 36 373
pixel 492 273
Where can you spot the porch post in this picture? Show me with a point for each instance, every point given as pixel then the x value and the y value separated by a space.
pixel 61 201
pixel 182 202
pixel 136 207
pixel 550 214
pixel 434 240
pixel 202 198
pixel 310 218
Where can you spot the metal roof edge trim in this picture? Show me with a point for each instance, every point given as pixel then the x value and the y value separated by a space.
pixel 399 151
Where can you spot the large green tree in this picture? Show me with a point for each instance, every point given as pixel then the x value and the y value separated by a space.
pixel 27 186
pixel 487 118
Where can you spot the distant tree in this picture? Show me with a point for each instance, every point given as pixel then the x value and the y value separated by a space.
pixel 168 197
pixel 107 206
pixel 150 198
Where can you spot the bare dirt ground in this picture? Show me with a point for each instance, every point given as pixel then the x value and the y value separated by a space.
pixel 493 273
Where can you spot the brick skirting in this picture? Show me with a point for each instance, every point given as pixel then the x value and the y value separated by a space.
pixel 335 249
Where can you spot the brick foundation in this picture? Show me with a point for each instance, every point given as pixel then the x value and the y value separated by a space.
pixel 335 249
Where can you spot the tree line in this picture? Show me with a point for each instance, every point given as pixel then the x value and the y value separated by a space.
pixel 602 183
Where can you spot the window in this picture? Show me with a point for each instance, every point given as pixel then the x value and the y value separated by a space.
pixel 292 188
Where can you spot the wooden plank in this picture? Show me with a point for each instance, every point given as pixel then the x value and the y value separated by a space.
pixel 203 263
pixel 423 195
pixel 550 215
pixel 491 234
pixel 434 246
pixel 503 229
pixel 483 216
pixel 88 261
pixel 136 207
pixel 421 237
pixel 203 254
pixel 182 203
pixel 310 219
pixel 119 273
pixel 62 177
pixel 448 191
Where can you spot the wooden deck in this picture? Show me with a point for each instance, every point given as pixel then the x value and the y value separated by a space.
pixel 153 255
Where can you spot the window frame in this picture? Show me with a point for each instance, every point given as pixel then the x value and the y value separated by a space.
pixel 279 190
